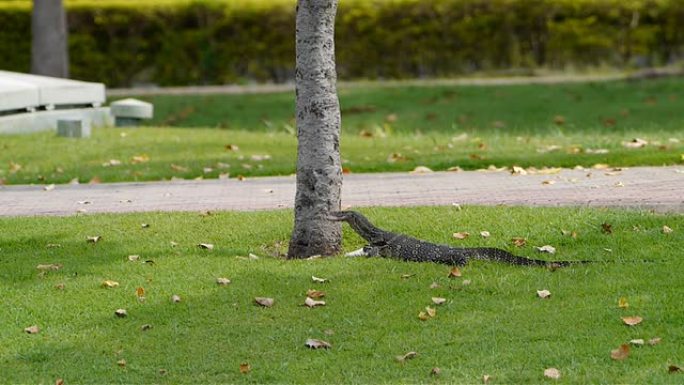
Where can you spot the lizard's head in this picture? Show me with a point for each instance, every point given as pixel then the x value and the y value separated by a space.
pixel 359 223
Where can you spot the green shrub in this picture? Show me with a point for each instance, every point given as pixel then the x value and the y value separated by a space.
pixel 176 42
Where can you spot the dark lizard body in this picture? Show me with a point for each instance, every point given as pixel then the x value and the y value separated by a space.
pixel 398 246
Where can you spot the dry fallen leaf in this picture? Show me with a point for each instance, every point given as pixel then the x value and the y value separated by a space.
pixel 49 187
pixel 143 158
pixel 434 285
pixel 431 311
pixel 516 170
pixel 485 234
pixel 145 327
pixel 543 293
pixel 637 342
pixel 264 301
pixel 222 281
pixel 421 170
pixel 318 280
pixel 110 284
pixel 133 258
pixel 33 329
pixel 632 321
pixel 466 282
pixel 315 294
pixel 206 246
pixel 49 267
pixel 622 303
pixel 435 371
pixel 673 369
pixel 519 242
pixel 310 302
pixel 667 229
pixel 620 353
pixel 455 272
pixel 654 341
pixel 59 381
pixel 175 298
pixel 407 276
pixel 606 228
pixel 635 143
pixel 461 235
pixel 93 239
pixel 423 316
pixel 438 300
pixel 317 344
pixel 121 313
pixel 245 368
pixel 552 373
pixel 407 356
pixel 121 363
pixel 546 249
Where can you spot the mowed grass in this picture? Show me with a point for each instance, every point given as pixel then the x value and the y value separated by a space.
pixel 496 325
pixel 385 129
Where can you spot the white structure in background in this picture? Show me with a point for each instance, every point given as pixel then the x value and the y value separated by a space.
pixel 31 103
pixel 130 112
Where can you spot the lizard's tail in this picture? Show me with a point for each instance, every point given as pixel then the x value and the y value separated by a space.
pixel 499 255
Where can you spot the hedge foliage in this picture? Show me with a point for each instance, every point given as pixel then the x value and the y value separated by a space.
pixel 177 42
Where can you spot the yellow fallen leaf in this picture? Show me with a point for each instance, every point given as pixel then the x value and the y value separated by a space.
pixel 543 294
pixel 140 292
pixel 431 311
pixel 667 229
pixel 455 272
pixel 121 363
pixel 438 300
pixel 423 316
pixel 245 368
pixel 110 284
pixel 93 239
pixel 222 281
pixel 485 234
pixel 637 342
pixel 461 235
pixel 143 158
pixel 519 242
pixel 632 321
pixel 175 298
pixel 622 303
pixel 407 356
pixel 517 170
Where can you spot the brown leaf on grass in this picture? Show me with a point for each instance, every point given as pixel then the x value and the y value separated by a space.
pixel 121 313
pixel 346 170
pixel 312 343
pixel 60 286
pixel 620 353
pixel 310 302
pixel 222 281
pixel 395 157
pixel 632 321
pixel 49 267
pixel 318 280
pixel 552 373
pixel 519 241
pixel 673 369
pixel 486 378
pixel 667 229
pixel 435 371
pixel 175 298
pixel 206 246
pixel 140 292
pixel 455 272
pixel 438 300
pixel 33 329
pixel 245 367
pixel 567 233
pixel 231 147
pixel 407 356
pixel 59 381
pixel 517 170
pixel 121 363
pixel 461 235
pixel 109 284
pixel 622 303
pixel 423 316
pixel 133 258
pixel 543 294
pixel 315 294
pixel 93 239
pixel 264 301
pixel 606 228
pixel 654 341
pixel 559 120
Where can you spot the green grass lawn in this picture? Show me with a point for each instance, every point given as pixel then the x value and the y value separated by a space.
pixel 496 325
pixel 385 129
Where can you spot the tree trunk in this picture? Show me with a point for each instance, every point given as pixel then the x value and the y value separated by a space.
pixel 319 171
pixel 49 51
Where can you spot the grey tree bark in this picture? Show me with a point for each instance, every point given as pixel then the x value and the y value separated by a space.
pixel 49 50
pixel 319 170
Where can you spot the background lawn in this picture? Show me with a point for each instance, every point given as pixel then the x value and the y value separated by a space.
pixel 495 325
pixel 385 129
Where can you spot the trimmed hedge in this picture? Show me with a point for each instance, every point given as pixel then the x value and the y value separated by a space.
pixel 177 42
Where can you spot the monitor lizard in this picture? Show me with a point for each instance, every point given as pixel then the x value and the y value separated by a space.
pixel 398 246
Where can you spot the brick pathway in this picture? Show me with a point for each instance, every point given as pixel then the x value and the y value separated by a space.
pixel 652 188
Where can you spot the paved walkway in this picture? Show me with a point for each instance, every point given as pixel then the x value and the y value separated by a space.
pixel 652 188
